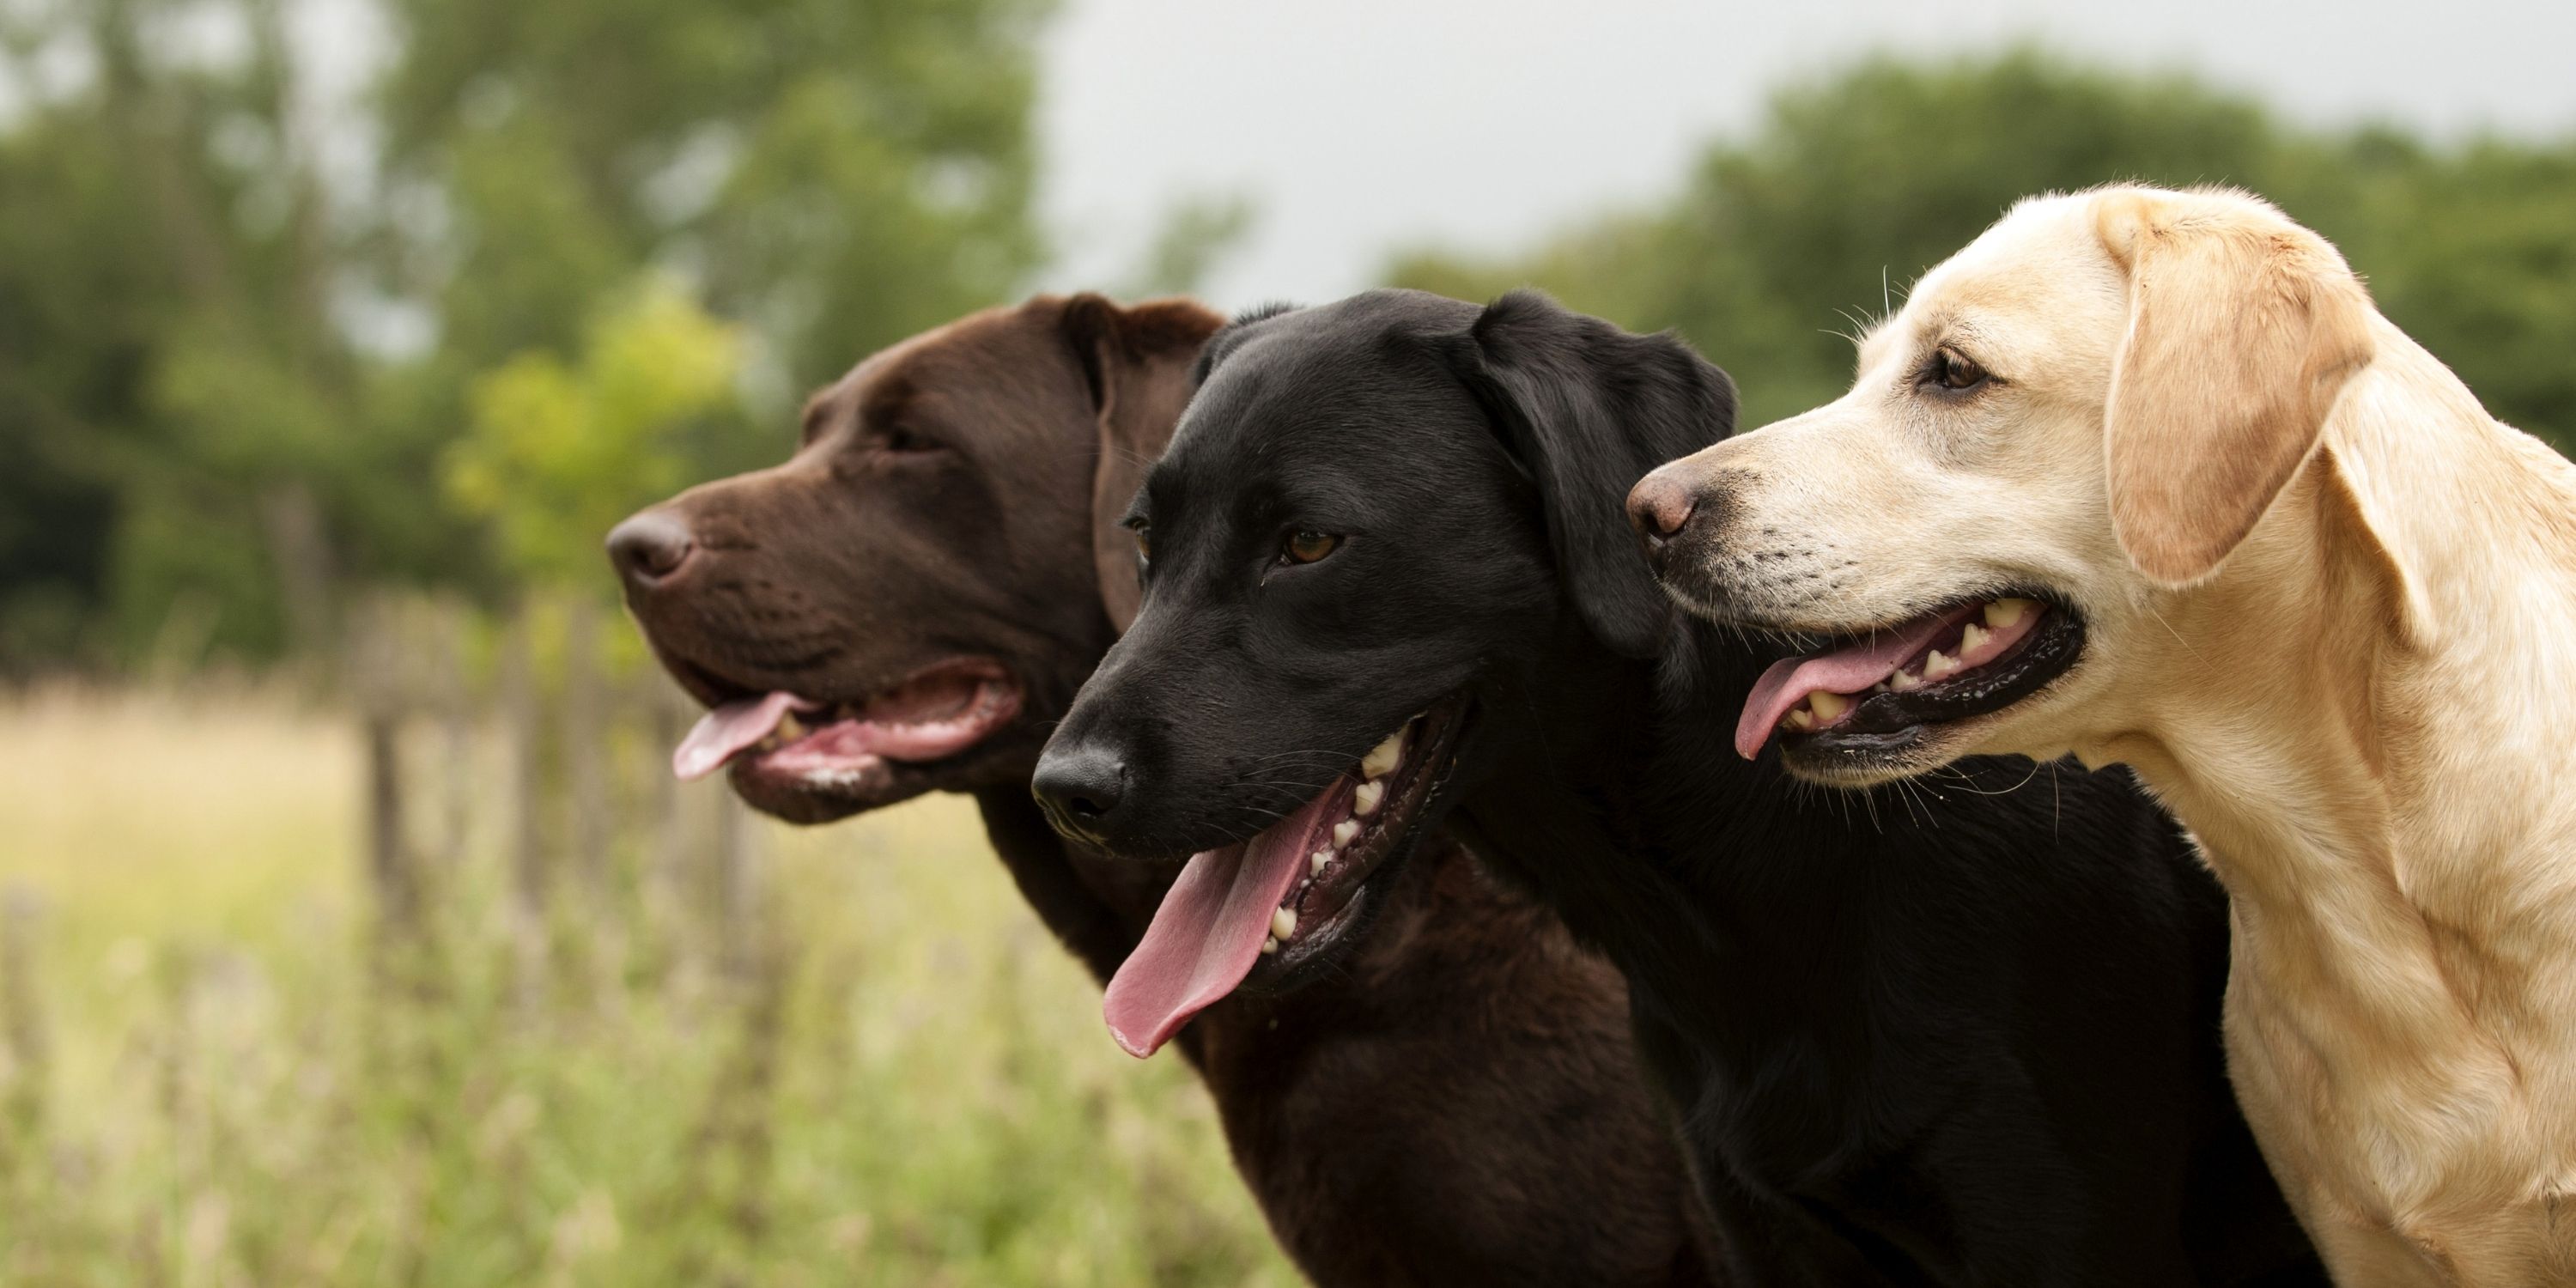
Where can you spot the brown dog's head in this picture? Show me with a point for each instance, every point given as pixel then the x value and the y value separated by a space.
pixel 906 603
pixel 2002 538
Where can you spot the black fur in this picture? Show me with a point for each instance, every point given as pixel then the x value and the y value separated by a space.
pixel 1965 1033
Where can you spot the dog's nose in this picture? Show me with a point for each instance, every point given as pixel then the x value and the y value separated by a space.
pixel 1658 507
pixel 1080 787
pixel 649 547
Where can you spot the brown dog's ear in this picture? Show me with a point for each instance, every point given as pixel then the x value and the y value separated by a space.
pixel 1137 363
pixel 2243 328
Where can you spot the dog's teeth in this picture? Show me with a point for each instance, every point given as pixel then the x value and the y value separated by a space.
pixel 1283 923
pixel 1343 832
pixel 1384 757
pixel 1801 718
pixel 1902 680
pixel 1364 801
pixel 1269 946
pixel 1972 639
pixel 1318 861
pixel 1938 666
pixel 2004 614
pixel 790 728
pixel 1828 706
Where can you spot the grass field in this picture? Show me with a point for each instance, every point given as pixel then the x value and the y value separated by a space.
pixel 217 1070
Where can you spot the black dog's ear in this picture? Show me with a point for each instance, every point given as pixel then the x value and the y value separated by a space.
pixel 1137 363
pixel 1588 409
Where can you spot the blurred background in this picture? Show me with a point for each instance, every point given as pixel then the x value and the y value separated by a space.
pixel 351 931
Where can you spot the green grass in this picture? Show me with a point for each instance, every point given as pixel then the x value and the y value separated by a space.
pixel 216 1069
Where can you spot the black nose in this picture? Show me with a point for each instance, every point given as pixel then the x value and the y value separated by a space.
pixel 1658 507
pixel 1080 788
pixel 649 547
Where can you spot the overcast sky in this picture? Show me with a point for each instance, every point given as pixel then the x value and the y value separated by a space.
pixel 1360 126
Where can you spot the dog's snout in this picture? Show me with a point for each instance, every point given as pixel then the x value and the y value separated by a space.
pixel 649 547
pixel 1080 788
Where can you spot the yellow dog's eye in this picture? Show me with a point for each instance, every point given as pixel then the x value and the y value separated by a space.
pixel 1307 547
pixel 1954 371
pixel 1144 544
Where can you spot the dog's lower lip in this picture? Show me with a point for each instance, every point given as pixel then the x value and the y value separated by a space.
pixel 1325 906
pixel 799 769
pixel 1885 723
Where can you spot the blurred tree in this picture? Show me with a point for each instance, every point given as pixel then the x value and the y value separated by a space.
pixel 1781 245
pixel 240 320
pixel 837 174
pixel 171 377
pixel 1195 235
pixel 557 452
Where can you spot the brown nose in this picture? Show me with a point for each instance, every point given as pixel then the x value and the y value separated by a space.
pixel 1658 507
pixel 649 547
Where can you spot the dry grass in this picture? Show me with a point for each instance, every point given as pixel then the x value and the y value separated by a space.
pixel 215 1071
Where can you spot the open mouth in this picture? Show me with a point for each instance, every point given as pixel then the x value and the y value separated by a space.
pixel 1280 902
pixel 933 714
pixel 1880 691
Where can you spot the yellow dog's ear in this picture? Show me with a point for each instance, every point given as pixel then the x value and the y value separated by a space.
pixel 2243 328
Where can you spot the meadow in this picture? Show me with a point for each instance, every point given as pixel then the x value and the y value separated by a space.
pixel 219 1065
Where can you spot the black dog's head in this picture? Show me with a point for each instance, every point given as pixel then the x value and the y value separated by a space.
pixel 1377 519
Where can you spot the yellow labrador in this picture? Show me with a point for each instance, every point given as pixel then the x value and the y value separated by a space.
pixel 2143 475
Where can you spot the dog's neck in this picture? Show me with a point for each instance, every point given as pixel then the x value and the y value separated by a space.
pixel 1619 800
pixel 2360 716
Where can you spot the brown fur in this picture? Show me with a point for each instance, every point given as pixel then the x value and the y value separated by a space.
pixel 1461 1103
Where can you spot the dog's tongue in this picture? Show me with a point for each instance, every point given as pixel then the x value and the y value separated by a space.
pixel 1207 935
pixel 728 729
pixel 1845 670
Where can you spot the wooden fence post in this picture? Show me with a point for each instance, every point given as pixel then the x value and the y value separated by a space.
pixel 585 733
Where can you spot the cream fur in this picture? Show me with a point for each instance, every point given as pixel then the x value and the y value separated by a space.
pixel 2331 615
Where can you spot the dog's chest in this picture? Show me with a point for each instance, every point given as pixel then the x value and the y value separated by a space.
pixel 2408 1093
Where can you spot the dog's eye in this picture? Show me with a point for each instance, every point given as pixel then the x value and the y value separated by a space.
pixel 902 440
pixel 1306 547
pixel 1144 544
pixel 1953 371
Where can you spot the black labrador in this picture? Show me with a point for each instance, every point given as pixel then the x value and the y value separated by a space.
pixel 1965 1035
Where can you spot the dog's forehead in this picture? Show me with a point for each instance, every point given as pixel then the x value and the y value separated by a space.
pixel 2014 290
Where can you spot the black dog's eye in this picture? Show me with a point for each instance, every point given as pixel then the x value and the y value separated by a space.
pixel 1953 371
pixel 1304 547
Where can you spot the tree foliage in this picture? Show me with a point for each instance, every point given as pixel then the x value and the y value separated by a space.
pixel 242 326
pixel 1782 244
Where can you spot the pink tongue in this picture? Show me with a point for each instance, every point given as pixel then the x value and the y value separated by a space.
pixel 1207 935
pixel 728 729
pixel 1849 670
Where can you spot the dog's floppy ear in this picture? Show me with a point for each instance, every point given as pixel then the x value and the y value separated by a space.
pixel 1588 409
pixel 2243 328
pixel 1137 363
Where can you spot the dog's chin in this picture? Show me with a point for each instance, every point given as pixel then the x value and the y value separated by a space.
pixel 1335 908
pixel 1886 733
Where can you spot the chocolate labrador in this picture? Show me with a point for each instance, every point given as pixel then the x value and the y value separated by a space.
pixel 910 602
pixel 1965 1036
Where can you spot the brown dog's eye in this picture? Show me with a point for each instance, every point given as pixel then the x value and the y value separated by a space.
pixel 1954 371
pixel 1307 547
pixel 899 439
pixel 1144 544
